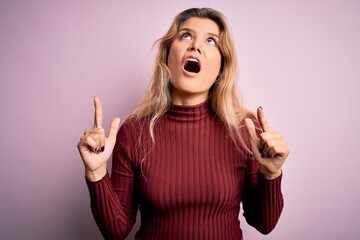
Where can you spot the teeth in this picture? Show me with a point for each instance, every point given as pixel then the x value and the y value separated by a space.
pixel 193 60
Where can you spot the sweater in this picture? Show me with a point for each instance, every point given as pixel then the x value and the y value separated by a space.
pixel 188 183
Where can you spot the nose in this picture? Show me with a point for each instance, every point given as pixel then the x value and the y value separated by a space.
pixel 194 47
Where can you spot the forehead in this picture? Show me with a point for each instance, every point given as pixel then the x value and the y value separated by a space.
pixel 200 25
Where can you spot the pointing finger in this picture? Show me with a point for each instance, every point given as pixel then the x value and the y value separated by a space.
pixel 98 113
pixel 263 122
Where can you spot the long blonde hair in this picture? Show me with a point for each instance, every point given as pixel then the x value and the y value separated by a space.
pixel 223 95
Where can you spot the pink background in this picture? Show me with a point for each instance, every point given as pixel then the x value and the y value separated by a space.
pixel 300 60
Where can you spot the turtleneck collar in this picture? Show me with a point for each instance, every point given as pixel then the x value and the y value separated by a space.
pixel 190 113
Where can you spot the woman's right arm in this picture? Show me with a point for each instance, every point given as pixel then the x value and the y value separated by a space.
pixel 114 218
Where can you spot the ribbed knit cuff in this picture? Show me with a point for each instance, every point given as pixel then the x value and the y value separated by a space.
pixel 96 187
pixel 275 179
pixel 272 187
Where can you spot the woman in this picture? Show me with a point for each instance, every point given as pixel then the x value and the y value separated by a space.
pixel 190 153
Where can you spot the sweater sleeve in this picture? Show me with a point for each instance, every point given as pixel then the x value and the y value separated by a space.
pixel 262 199
pixel 113 201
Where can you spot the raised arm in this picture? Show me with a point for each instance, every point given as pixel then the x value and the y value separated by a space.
pixel 112 212
pixel 263 200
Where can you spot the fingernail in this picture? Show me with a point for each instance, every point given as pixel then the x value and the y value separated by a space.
pixel 261 107
pixel 102 149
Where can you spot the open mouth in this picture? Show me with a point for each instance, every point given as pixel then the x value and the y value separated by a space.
pixel 192 65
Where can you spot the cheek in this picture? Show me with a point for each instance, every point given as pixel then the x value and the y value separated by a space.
pixel 170 59
pixel 173 58
pixel 215 63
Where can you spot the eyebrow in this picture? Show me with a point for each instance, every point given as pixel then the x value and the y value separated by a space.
pixel 190 30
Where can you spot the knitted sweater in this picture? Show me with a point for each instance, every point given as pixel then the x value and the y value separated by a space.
pixel 188 184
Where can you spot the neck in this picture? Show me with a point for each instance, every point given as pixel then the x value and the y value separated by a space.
pixel 190 99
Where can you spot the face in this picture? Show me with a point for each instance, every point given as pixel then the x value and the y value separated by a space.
pixel 194 61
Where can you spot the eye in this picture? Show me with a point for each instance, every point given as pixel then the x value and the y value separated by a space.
pixel 185 36
pixel 211 41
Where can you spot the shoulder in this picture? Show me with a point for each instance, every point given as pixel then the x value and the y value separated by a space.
pixel 132 128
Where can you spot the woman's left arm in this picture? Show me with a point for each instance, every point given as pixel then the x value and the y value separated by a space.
pixel 262 198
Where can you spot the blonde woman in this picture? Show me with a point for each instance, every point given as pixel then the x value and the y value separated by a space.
pixel 190 153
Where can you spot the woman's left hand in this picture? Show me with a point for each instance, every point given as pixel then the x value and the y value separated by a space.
pixel 270 149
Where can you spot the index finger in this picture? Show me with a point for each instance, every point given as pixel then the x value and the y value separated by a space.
pixel 98 113
pixel 263 122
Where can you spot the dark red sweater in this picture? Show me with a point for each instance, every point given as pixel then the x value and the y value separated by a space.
pixel 189 184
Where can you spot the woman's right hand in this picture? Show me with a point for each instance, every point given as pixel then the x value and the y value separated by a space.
pixel 94 148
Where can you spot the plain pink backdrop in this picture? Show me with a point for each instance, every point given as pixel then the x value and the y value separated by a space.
pixel 300 60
